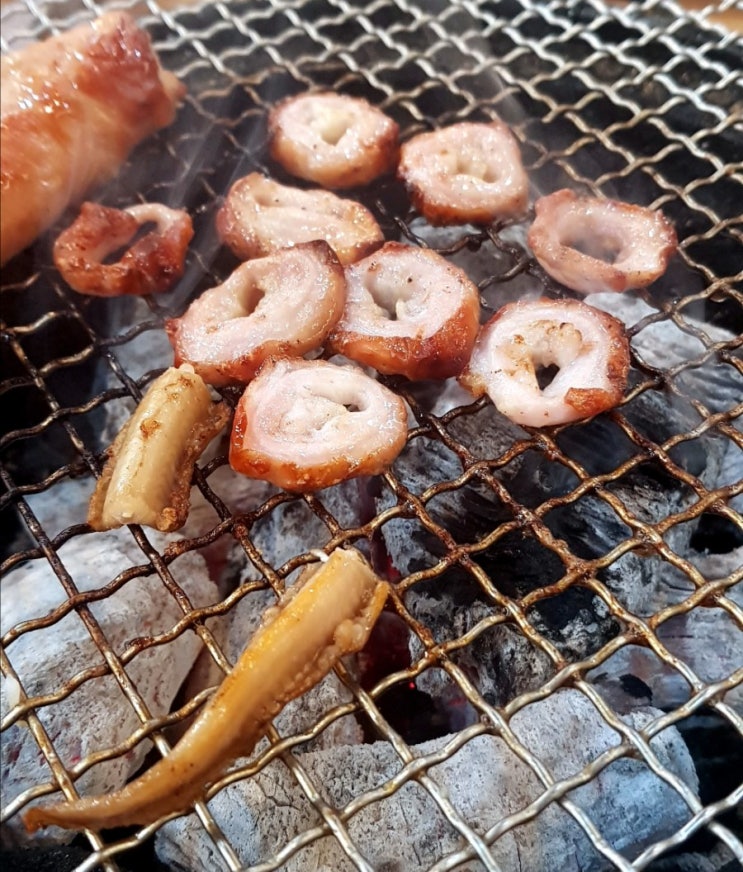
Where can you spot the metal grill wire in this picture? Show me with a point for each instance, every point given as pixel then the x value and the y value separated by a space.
pixel 642 103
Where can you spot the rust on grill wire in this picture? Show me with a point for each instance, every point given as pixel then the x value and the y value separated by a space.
pixel 566 610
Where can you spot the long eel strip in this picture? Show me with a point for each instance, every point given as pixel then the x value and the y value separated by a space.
pixel 72 108
pixel 329 613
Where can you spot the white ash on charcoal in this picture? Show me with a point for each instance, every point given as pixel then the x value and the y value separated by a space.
pixel 708 639
pixel 484 780
pixel 96 715
pixel 502 661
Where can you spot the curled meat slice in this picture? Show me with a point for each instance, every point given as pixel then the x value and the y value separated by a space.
pixel 593 245
pixel 281 305
pixel 332 139
pixel 261 216
pixel 305 425
pixel 408 312
pixel 465 173
pixel 588 347
pixel 150 265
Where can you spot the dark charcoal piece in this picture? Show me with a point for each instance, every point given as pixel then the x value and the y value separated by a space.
pixel 68 858
pixel 577 622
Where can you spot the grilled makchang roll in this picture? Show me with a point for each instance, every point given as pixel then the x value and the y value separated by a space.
pixel 328 614
pixel 589 347
pixel 332 139
pixel 259 216
pixel 408 312
pixel 72 108
pixel 594 245
pixel 465 173
pixel 304 425
pixel 283 305
pixel 151 265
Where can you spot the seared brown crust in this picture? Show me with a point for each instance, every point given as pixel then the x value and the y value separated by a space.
pixel 151 265
pixel 638 242
pixel 283 305
pixel 260 216
pixel 73 107
pixel 429 348
pixel 467 173
pixel 300 142
pixel 512 344
pixel 305 425
pixel 440 356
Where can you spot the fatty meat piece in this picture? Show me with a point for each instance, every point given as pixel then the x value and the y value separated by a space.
pixel 281 305
pixel 332 139
pixel 593 245
pixel 260 216
pixel 73 107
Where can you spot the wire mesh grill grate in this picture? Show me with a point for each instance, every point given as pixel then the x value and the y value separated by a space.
pixel 644 104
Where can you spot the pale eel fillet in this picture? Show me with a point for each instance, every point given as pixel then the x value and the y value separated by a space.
pixel 328 614
pixel 593 245
pixel 259 216
pixel 332 139
pixel 589 348
pixel 147 478
pixel 72 108
pixel 465 173
pixel 304 425
pixel 408 312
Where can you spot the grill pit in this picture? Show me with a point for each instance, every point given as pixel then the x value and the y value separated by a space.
pixel 638 104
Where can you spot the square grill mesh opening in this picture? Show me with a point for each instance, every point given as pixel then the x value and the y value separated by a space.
pixel 561 657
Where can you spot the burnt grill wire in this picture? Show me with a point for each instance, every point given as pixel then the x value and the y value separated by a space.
pixel 643 103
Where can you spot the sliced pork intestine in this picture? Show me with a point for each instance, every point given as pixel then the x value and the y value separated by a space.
pixel 281 305
pixel 589 348
pixel 152 264
pixel 592 244
pixel 409 312
pixel 465 173
pixel 260 216
pixel 335 140
pixel 307 425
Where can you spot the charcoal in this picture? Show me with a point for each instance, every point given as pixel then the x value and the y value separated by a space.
pixel 96 714
pixel 708 639
pixel 576 621
pixel 485 782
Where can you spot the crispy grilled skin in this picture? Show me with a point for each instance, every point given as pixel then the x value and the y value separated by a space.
pixel 72 109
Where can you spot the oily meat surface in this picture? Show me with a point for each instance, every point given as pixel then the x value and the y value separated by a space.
pixel 72 108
